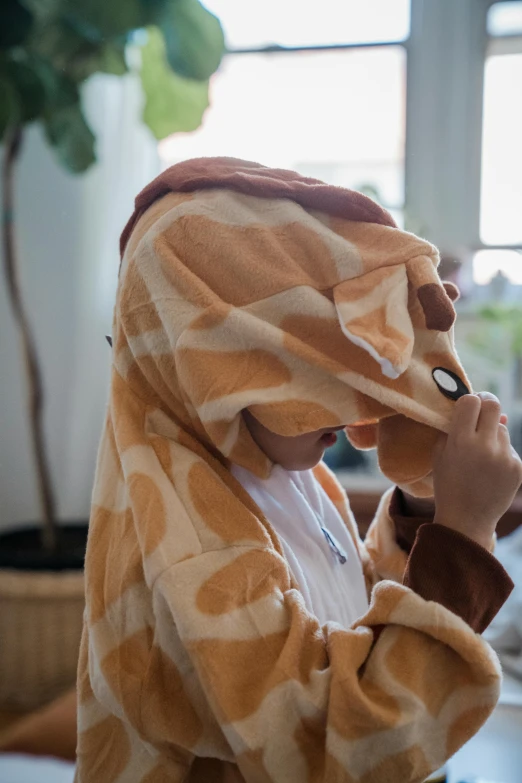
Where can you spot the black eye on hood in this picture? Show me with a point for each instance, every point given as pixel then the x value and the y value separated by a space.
pixel 449 383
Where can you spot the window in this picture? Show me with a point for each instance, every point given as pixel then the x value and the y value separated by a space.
pixel 501 187
pixel 488 262
pixel 323 90
pixel 249 25
pixel 418 102
pixel 490 333
pixel 505 18
pixel 501 182
pixel 501 192
pixel 326 96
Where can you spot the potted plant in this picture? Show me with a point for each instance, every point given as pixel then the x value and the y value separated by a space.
pixel 48 49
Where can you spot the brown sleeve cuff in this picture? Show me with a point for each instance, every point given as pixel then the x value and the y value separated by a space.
pixel 451 569
pixel 406 523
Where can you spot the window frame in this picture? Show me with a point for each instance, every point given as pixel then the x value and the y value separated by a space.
pixel 447 51
pixel 280 49
pixel 445 56
pixel 498 46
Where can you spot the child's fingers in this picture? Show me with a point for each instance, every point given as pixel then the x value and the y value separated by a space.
pixel 465 415
pixel 487 396
pixel 489 419
pixel 503 436
pixel 505 442
pixel 490 396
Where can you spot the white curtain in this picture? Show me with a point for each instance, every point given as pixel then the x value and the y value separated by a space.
pixel 128 159
pixel 68 229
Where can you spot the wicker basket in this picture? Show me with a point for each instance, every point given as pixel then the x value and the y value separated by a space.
pixel 41 615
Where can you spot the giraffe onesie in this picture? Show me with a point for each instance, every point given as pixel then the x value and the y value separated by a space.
pixel 247 287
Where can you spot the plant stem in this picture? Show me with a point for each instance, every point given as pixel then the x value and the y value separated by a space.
pixel 12 144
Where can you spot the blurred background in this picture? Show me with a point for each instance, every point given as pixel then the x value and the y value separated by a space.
pixel 417 103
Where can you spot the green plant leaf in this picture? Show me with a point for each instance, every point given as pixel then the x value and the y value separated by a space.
pixel 62 45
pixel 43 9
pixel 15 23
pixel 28 86
pixel 58 43
pixel 508 318
pixel 61 91
pixel 73 141
pixel 152 10
pixel 172 103
pixel 9 104
pixel 112 60
pixel 193 37
pixel 100 20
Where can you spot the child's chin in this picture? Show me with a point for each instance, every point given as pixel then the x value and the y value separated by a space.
pixel 303 463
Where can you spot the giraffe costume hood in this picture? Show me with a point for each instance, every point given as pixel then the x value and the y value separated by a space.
pixel 247 287
pixel 301 301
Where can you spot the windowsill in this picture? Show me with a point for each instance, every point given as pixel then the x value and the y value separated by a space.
pixel 363 481
pixel 364 490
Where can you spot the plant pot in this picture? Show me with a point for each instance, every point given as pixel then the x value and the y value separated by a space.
pixel 41 614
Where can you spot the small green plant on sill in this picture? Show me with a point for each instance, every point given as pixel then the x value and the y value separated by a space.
pixel 510 318
pixel 498 323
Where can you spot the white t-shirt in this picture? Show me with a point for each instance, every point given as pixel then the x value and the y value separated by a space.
pixel 316 543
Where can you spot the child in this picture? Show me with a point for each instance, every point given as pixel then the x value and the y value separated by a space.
pixel 236 627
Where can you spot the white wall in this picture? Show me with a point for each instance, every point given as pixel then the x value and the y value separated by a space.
pixel 68 229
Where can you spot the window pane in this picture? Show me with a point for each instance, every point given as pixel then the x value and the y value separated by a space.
pixel 488 263
pixel 505 19
pixel 338 116
pixel 501 196
pixel 295 23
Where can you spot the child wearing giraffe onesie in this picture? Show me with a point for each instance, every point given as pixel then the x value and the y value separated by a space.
pixel 236 626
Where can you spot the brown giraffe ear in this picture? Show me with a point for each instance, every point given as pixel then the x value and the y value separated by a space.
pixel 438 309
pixel 451 290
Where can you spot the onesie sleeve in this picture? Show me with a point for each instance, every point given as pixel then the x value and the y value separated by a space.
pixel 439 564
pixel 407 520
pixel 452 569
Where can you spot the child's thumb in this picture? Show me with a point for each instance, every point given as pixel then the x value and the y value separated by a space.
pixel 438 448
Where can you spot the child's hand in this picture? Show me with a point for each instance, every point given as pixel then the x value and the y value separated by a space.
pixel 476 471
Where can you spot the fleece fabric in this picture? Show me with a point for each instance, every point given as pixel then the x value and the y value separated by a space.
pixel 246 287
